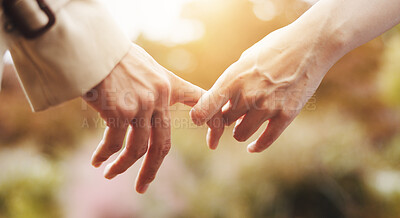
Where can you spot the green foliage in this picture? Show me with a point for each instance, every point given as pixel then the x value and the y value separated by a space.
pixel 322 167
pixel 325 164
pixel 389 75
pixel 54 131
pixel 29 196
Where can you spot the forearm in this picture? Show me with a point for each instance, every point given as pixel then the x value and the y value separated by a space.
pixel 336 27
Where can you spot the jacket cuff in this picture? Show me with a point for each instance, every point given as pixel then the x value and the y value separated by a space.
pixel 75 55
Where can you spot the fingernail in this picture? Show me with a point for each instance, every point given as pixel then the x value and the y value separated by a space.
pixel 107 172
pixel 191 112
pixel 208 139
pixel 97 164
pixel 212 146
pixel 251 148
pixel 195 120
pixel 238 137
pixel 143 189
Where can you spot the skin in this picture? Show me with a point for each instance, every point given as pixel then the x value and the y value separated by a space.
pixel 272 81
pixel 134 101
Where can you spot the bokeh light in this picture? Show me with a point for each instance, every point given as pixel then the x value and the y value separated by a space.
pixel 157 20
pixel 339 158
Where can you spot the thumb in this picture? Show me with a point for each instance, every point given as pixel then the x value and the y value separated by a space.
pixel 209 104
pixel 212 101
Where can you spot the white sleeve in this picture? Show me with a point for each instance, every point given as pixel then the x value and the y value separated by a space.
pixel 75 55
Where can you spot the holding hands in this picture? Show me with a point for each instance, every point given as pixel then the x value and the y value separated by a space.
pixel 134 100
pixel 271 81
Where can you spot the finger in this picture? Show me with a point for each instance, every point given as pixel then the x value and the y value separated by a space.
pixel 160 144
pixel 111 143
pixel 136 146
pixel 235 109
pixel 233 113
pixel 274 129
pixel 185 92
pixel 213 100
pixel 250 123
pixel 215 130
pixel 209 104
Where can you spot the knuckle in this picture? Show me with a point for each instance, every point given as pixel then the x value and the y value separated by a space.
pixel 160 112
pixel 123 159
pixel 269 112
pixel 105 114
pixel 199 113
pixel 165 149
pixel 141 151
pixel 150 97
pixel 114 123
pixel 263 103
pixel 137 152
pixel 148 103
pixel 161 122
pixel 287 115
pixel 129 114
pixel 129 111
pixel 163 87
pixel 112 148
pixel 124 162
pixel 150 177
pixel 141 123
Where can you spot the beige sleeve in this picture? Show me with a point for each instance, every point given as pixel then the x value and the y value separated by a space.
pixel 3 49
pixel 75 55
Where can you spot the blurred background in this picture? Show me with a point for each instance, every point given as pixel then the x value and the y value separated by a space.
pixel 339 158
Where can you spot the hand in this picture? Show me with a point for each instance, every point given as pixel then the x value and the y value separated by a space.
pixel 274 79
pixel 271 82
pixel 137 94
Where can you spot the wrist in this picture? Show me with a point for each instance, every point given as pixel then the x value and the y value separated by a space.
pixel 326 44
pixel 327 35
